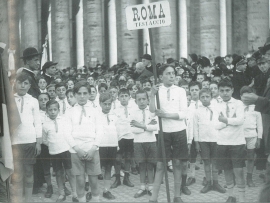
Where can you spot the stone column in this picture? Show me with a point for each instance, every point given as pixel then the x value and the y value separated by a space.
pixel 93 32
pixel 240 40
pixel 195 33
pixel 258 23
pixel 4 32
pixel 112 33
pixel 167 45
pixel 210 28
pixel 79 36
pixel 60 33
pixel 13 27
pixel 183 46
pixel 223 28
pixel 29 25
pixel 128 43
pixel 229 25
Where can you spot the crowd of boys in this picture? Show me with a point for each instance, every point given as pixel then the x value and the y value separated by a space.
pixel 91 123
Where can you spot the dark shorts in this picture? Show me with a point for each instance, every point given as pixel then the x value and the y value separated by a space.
pixel 145 152
pixel 175 146
pixel 82 167
pixel 125 146
pixel 230 156
pixel 24 153
pixel 193 152
pixel 208 150
pixel 107 155
pixel 60 160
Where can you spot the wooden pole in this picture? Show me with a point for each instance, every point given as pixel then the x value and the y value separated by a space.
pixel 160 137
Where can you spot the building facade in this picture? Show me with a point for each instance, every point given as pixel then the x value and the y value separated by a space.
pixel 87 32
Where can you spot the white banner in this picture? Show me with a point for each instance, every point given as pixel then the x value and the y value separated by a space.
pixel 148 15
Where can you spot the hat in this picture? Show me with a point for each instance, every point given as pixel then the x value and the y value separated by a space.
pixel 170 60
pixel 194 57
pixel 30 52
pixel 241 62
pixel 147 57
pixel 48 65
pixel 262 60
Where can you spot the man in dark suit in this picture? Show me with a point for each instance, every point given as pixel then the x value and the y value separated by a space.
pixel 31 61
pixel 261 79
pixel 49 69
pixel 141 72
pixel 146 59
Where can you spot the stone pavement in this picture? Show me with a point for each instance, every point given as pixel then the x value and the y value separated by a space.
pixel 125 194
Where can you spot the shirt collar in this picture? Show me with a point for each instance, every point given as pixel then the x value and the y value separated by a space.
pixel 18 96
pixel 29 70
pixel 167 88
pixel 88 104
pixel 48 75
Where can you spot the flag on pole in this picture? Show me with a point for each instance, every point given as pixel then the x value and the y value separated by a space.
pixel 44 58
pixel 9 121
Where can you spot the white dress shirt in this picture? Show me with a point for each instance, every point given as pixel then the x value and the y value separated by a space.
pixel 173 102
pixel 253 122
pixel 109 137
pixel 123 122
pixel 56 136
pixel 85 130
pixel 30 128
pixel 62 103
pixel 233 133
pixel 204 122
pixel 141 135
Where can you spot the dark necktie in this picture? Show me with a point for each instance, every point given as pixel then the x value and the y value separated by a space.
pixel 108 119
pixel 83 113
pixel 56 125
pixel 227 110
pixel 22 103
pixel 143 113
pixel 168 94
pixel 64 106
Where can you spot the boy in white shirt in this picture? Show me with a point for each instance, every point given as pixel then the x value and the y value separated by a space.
pixel 58 139
pixel 253 129
pixel 70 98
pixel 125 138
pixel 51 91
pixel 108 141
pixel 195 103
pixel 42 84
pixel 61 98
pixel 205 137
pixel 114 92
pixel 85 131
pixel 26 143
pixel 44 156
pixel 231 142
pixel 173 107
pixel 93 97
pixel 215 95
pixel 143 124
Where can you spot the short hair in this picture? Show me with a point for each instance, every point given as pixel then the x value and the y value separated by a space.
pixel 92 86
pixel 104 97
pixel 205 90
pixel 200 74
pixel 52 102
pixel 206 81
pixel 102 85
pixel 182 83
pixel 123 91
pixel 163 67
pixel 60 84
pixel 21 77
pixel 102 77
pixel 122 82
pixel 44 93
pixel 113 87
pixel 141 92
pixel 195 83
pixel 69 91
pixel 213 82
pixel 40 77
pixel 246 89
pixel 228 55
pixel 80 84
pixel 145 81
pixel 49 86
pixel 225 83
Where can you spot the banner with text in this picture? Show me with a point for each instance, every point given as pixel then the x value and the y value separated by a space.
pixel 148 15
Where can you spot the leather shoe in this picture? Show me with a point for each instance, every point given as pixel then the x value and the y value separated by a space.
pixel 190 181
pixel 231 199
pixel 67 192
pixel 217 187
pixel 134 171
pixel 108 195
pixel 207 188
pixel 61 198
pixel 197 167
pixel 126 181
pixel 204 182
pixel 177 199
pixel 149 192
pixel 75 199
pixel 185 190
pixel 100 177
pixel 88 196
pixel 49 192
pixel 140 193
pixel 87 186
pixel 116 183
pixel 250 182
